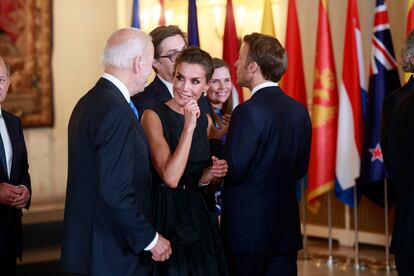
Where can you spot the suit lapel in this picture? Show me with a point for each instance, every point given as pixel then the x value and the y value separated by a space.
pixel 13 134
pixel 162 91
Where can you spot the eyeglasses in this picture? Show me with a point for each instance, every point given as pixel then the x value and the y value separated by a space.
pixel 172 56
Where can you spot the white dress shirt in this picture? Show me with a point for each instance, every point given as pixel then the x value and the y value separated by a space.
pixel 6 142
pixel 169 86
pixel 264 85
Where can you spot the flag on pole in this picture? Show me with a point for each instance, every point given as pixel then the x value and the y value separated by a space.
pixel 350 121
pixel 193 39
pixel 267 22
pixel 162 13
pixel 293 81
pixel 135 14
pixel 231 47
pixel 410 16
pixel 383 79
pixel 410 27
pixel 321 174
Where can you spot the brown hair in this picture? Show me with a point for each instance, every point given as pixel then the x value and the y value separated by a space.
pixel 269 55
pixel 407 53
pixel 228 104
pixel 162 32
pixel 194 55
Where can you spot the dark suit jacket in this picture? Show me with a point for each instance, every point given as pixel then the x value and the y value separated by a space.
pixel 157 93
pixel 402 159
pixel 390 107
pixel 267 150
pixel 108 198
pixel 10 217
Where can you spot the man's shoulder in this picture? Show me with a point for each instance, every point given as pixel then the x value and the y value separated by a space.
pixel 9 115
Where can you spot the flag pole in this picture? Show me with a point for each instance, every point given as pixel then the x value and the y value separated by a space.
pixel 304 220
pixel 357 265
pixel 330 261
pixel 387 234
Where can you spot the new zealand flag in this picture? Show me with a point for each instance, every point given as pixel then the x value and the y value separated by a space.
pixel 383 80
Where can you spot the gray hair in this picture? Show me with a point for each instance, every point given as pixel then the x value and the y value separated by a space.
pixel 5 65
pixel 408 53
pixel 123 46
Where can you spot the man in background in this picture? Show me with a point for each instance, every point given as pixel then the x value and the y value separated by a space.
pixel 15 189
pixel 169 42
pixel 107 223
pixel 397 142
pixel 267 150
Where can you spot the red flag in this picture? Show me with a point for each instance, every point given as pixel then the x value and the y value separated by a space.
pixel 162 13
pixel 321 176
pixel 293 81
pixel 231 46
pixel 410 16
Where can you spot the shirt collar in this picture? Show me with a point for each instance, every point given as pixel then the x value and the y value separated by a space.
pixel 115 81
pixel 168 84
pixel 264 85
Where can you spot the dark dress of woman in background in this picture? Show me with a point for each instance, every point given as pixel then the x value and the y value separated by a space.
pixel 221 105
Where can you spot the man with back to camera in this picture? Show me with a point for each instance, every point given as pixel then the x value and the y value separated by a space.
pixel 267 150
pixel 168 41
pixel 397 142
pixel 107 223
pixel 15 187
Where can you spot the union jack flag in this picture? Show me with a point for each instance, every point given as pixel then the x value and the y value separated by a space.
pixel 383 79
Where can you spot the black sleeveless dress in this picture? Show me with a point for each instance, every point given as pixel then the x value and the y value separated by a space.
pixel 181 214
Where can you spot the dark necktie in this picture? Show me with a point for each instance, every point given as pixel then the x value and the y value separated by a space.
pixel 131 104
pixel 3 156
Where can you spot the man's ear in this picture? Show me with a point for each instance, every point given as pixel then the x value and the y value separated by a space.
pixel 252 67
pixel 156 64
pixel 136 64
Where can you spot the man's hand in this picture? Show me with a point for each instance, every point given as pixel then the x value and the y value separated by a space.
pixel 21 201
pixel 8 193
pixel 162 249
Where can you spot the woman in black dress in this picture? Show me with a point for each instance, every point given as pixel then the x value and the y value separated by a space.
pixel 180 153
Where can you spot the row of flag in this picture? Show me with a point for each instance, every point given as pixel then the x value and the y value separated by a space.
pixel 346 123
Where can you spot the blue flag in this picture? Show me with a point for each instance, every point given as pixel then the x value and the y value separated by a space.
pixel 383 79
pixel 135 14
pixel 193 39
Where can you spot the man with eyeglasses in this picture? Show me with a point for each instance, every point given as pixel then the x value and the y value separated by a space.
pixel 168 43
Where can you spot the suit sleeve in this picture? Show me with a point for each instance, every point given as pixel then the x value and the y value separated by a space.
pixel 24 169
pixel 302 162
pixel 241 144
pixel 116 142
pixel 389 108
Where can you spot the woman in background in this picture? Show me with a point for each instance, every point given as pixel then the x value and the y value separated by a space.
pixel 221 106
pixel 180 153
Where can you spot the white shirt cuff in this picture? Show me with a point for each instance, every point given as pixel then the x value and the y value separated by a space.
pixel 152 244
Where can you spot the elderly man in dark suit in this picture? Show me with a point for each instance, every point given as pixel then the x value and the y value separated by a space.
pixel 397 142
pixel 107 223
pixel 15 189
pixel 267 150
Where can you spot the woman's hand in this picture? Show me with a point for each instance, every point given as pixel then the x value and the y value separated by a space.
pixel 219 168
pixel 191 113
